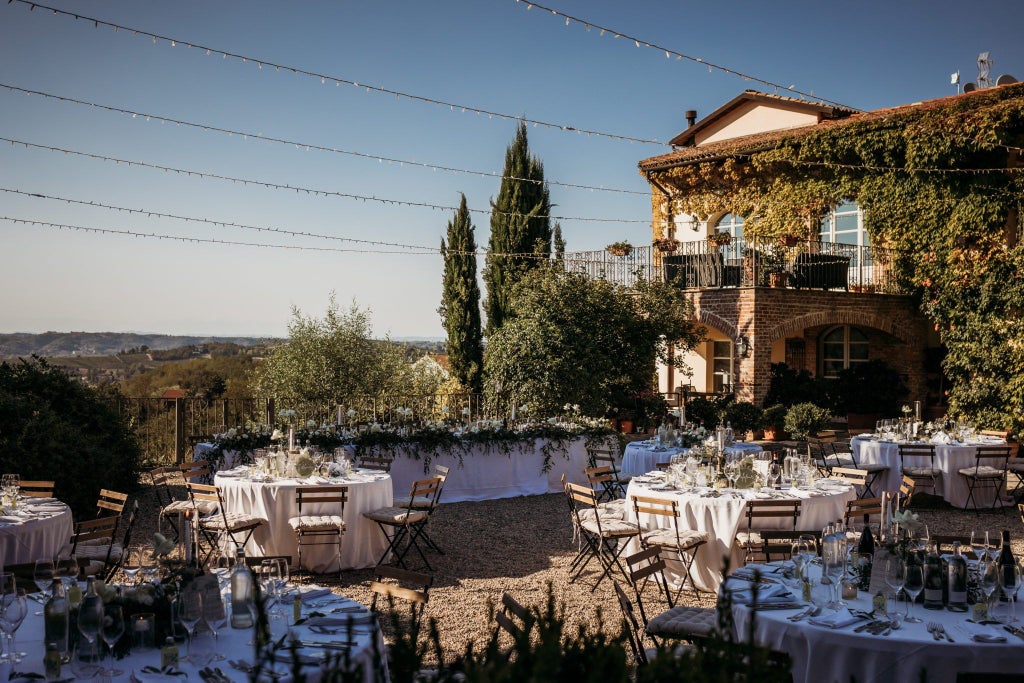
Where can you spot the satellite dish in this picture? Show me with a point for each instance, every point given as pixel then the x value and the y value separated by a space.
pixel 1005 79
pixel 970 87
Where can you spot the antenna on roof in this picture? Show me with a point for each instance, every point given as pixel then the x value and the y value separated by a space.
pixel 985 63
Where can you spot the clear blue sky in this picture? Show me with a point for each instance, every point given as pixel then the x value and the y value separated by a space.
pixel 491 54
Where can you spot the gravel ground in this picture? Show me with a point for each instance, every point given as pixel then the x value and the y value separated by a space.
pixel 524 544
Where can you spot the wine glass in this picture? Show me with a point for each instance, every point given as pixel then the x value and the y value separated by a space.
pixel 923 538
pixel 90 619
pixel 988 578
pixel 979 543
pixel 1009 580
pixel 913 584
pixel 270 577
pixel 66 569
pixel 894 576
pixel 834 566
pixel 283 574
pixel 111 631
pixel 43 576
pixel 13 609
pixel 132 563
pixel 808 548
pixel 796 556
pixel 190 613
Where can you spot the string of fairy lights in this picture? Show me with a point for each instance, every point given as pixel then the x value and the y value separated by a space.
pixel 308 146
pixel 324 78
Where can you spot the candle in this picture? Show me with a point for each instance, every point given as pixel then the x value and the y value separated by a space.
pixel 339 416
pixel 291 438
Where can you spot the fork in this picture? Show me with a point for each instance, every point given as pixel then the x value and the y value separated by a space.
pixel 945 634
pixel 935 629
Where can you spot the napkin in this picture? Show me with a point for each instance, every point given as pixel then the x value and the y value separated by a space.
pixel 310 593
pixel 942 438
pixel 986 634
pixel 342 619
pixel 837 620
pixel 150 677
pixel 742 592
pixel 11 520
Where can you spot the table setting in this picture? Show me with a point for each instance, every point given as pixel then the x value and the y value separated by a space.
pixel 30 527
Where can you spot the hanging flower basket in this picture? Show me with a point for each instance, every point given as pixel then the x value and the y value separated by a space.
pixel 666 245
pixel 719 239
pixel 789 240
pixel 620 248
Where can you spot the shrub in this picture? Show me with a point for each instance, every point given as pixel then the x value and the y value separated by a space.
pixel 52 427
pixel 774 416
pixel 789 387
pixel 807 419
pixel 707 411
pixel 743 416
pixel 871 387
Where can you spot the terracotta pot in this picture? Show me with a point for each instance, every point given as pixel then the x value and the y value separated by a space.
pixel 613 424
pixel 775 434
pixel 776 279
pixel 626 426
pixel 790 240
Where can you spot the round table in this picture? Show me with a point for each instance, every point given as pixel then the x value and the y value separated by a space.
pixel 837 655
pixel 949 458
pixel 363 542
pixel 641 457
pixel 38 529
pixel 721 514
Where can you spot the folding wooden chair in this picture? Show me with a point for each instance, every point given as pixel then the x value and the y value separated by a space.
pixel 906 493
pixel 602 479
pixel 375 462
pixel 686 623
pixel 110 502
pixel 406 523
pixel 669 537
pixel 513 619
pixel 417 596
pixel 218 525
pixel 989 472
pixel 819 447
pixel 608 457
pixel 923 475
pixel 37 489
pixel 602 537
pixel 431 505
pixel 93 543
pixel 324 528
pixel 750 541
pixel 842 451
pixel 864 509
pixel 171 509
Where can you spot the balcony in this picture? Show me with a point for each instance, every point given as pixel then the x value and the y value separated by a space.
pixel 825 266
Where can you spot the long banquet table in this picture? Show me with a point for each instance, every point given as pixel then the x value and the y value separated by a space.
pixel 821 654
pixel 642 456
pixel 38 528
pixel 720 514
pixel 949 458
pixel 362 544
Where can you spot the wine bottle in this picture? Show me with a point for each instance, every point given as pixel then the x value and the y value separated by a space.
pixel 956 581
pixel 241 592
pixel 865 556
pixel 55 620
pixel 933 579
pixel 1006 565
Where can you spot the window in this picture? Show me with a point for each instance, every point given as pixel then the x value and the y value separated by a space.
pixel 732 224
pixel 840 348
pixel 721 366
pixel 844 224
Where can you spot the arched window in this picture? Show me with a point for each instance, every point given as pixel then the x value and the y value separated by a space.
pixel 730 223
pixel 841 347
pixel 844 224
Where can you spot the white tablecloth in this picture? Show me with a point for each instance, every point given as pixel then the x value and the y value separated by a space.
pixel 38 530
pixel 951 485
pixel 823 655
pixel 722 517
pixel 641 457
pixel 231 643
pixel 363 542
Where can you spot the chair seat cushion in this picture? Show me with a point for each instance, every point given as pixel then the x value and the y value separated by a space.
pixel 667 538
pixel 684 622
pixel 180 507
pixel 1015 466
pixel 749 539
pixel 422 502
pixel 606 511
pixel 841 460
pixel 983 472
pixel 922 471
pixel 873 467
pixel 396 516
pixel 236 521
pixel 98 551
pixel 317 523
pixel 611 528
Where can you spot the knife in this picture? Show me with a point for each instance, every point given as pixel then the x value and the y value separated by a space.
pixel 1015 631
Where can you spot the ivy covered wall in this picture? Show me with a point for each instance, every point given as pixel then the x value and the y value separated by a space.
pixel 940 184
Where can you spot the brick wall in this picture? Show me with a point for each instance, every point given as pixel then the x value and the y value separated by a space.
pixel 896 330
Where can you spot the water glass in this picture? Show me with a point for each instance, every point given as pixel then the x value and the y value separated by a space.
pixel 913 584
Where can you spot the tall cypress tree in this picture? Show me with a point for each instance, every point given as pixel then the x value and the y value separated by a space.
pixel 558 244
pixel 520 224
pixel 460 300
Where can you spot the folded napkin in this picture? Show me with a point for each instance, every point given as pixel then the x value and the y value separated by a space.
pixel 984 634
pixel 311 593
pixel 942 438
pixel 11 520
pixel 763 568
pixel 342 619
pixel 742 592
pixel 837 620
pixel 316 480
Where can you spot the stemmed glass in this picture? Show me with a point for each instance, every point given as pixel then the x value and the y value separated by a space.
pixel 834 566
pixel 90 620
pixel 13 609
pixel 190 613
pixel 66 569
pixel 913 584
pixel 894 575
pixel 1009 581
pixel 43 577
pixel 979 544
pixel 132 564
pixel 922 538
pixel 988 578
pixel 797 555
pixel 111 631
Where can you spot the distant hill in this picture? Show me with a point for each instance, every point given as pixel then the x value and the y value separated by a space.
pixel 51 344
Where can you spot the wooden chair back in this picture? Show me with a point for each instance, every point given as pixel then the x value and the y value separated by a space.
pixel 917 450
pixel 772 509
pixel 599 476
pixel 197 469
pixel 110 502
pixel 641 567
pixel 376 462
pixel 321 495
pixel 995 457
pixel 37 489
pixel 101 529
pixel 581 495
pixel 864 508
pixel 417 596
pixel 850 475
pixel 659 507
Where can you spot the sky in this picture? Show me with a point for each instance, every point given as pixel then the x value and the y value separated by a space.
pixel 494 55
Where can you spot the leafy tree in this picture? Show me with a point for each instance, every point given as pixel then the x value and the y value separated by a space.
pixel 520 224
pixel 589 342
pixel 54 428
pixel 558 243
pixel 327 360
pixel 460 300
pixel 209 378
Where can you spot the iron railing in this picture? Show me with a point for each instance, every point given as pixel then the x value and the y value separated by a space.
pixel 703 265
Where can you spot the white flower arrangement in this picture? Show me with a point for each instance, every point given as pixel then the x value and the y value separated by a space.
pixel 350 413
pixel 277 435
pixel 465 412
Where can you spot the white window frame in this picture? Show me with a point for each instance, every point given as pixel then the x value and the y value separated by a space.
pixel 846 359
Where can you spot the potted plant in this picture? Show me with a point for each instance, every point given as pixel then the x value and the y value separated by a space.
pixel 719 238
pixel 807 419
pixel 869 391
pixel 789 240
pixel 743 417
pixel 621 248
pixel 774 420
pixel 666 245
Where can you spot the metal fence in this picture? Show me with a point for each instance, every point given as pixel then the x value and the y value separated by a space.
pixel 748 263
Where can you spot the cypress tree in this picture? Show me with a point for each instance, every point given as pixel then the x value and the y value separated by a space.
pixel 460 300
pixel 520 224
pixel 558 244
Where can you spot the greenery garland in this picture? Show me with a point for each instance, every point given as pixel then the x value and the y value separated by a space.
pixel 956 235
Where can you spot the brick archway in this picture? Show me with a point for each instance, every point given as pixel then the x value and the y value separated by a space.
pixel 857 318
pixel 711 319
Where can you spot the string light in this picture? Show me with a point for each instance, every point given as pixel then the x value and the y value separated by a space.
pixel 323 78
pixel 310 191
pixel 640 42
pixel 310 146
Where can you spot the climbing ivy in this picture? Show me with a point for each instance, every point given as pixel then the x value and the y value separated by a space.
pixel 956 236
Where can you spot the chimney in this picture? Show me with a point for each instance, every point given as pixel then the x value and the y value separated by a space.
pixel 691 117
